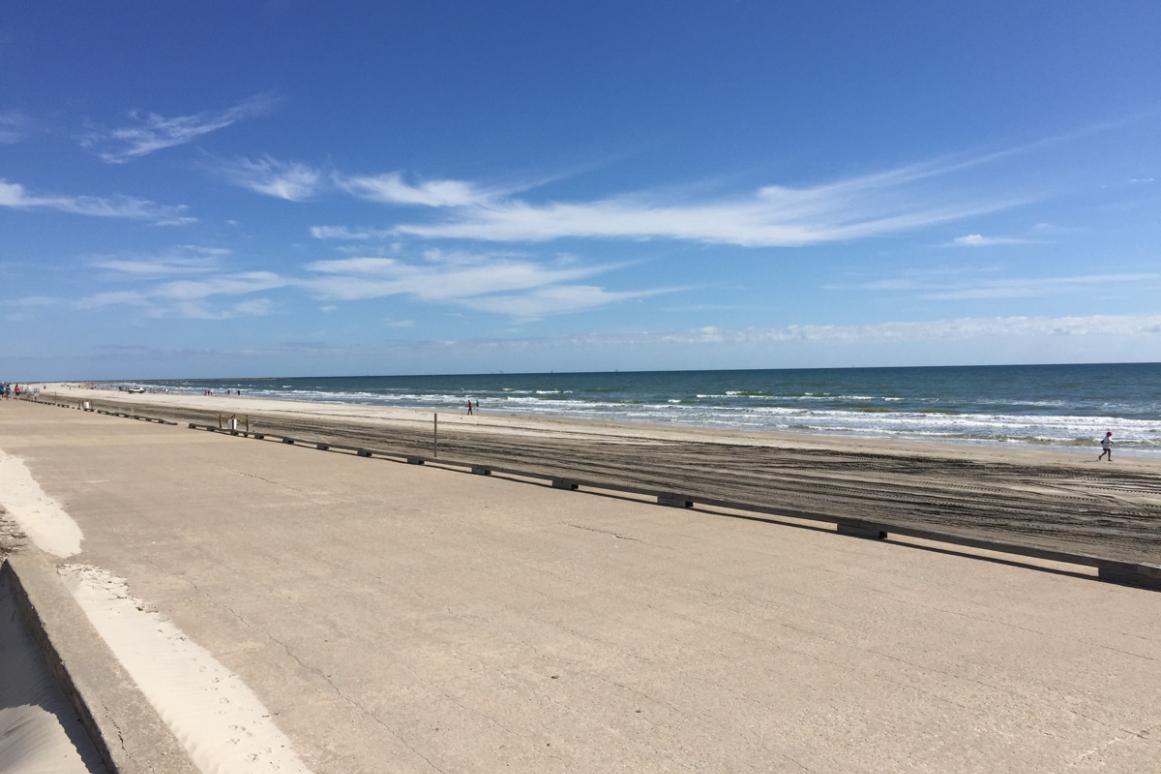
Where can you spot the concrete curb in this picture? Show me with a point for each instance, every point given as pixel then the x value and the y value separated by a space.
pixel 126 730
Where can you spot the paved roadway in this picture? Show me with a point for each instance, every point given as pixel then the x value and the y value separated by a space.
pixel 403 618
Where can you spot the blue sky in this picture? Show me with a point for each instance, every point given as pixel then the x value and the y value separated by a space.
pixel 260 189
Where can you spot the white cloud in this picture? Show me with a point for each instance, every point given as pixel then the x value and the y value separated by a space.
pixel 355 266
pixel 899 331
pixel 186 259
pixel 16 196
pixel 1013 287
pixel 27 302
pixel 281 179
pixel 979 240
pixel 400 324
pixel 497 284
pixel 227 284
pixel 13 126
pixel 114 298
pixel 392 188
pixel 350 234
pixel 556 299
pixel 361 278
pixel 772 216
pixel 198 310
pixel 151 132
pixel 190 298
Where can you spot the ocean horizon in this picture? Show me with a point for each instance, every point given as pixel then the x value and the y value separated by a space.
pixel 1054 405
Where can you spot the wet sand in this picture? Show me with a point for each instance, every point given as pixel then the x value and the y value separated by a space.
pixel 1054 499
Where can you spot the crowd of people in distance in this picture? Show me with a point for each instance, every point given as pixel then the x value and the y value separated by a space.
pixel 10 390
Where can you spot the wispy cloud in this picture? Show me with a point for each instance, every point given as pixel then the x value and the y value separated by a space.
pixel 191 298
pixel 929 288
pixel 195 310
pixel 393 188
pixel 979 240
pixel 16 196
pixel 489 283
pixel 185 259
pixel 557 299
pixel 772 216
pixel 287 180
pixel 27 302
pixel 373 277
pixel 13 126
pixel 237 284
pixel 150 132
pixel 895 331
pixel 345 233
pixel 26 307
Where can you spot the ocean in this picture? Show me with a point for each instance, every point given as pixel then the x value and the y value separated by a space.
pixel 1055 405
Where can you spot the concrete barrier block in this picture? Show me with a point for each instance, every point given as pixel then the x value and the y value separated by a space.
pixel 363 452
pixel 480 470
pixel 564 483
pixel 674 500
pixel 288 440
pixel 413 460
pixel 322 446
pixel 861 531
pixel 1146 576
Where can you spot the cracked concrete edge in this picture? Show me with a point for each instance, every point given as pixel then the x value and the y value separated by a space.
pixel 125 728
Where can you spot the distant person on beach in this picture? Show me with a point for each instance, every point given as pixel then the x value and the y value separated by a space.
pixel 1107 446
pixel 469 406
pixel 477 405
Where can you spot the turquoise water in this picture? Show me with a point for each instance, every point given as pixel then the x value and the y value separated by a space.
pixel 1044 404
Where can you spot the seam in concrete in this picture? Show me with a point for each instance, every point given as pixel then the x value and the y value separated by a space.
pixel 105 697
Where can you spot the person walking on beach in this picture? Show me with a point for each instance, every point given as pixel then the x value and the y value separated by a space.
pixel 469 406
pixel 1107 446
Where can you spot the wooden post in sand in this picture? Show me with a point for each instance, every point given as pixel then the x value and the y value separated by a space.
pixel 435 434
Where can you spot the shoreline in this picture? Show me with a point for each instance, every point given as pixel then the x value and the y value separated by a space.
pixel 510 423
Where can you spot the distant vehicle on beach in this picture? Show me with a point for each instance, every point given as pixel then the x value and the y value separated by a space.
pixel 134 390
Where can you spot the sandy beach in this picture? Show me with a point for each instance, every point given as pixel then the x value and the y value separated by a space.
pixel 284 608
pixel 1058 499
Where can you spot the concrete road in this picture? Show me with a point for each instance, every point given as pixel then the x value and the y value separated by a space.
pixel 402 618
